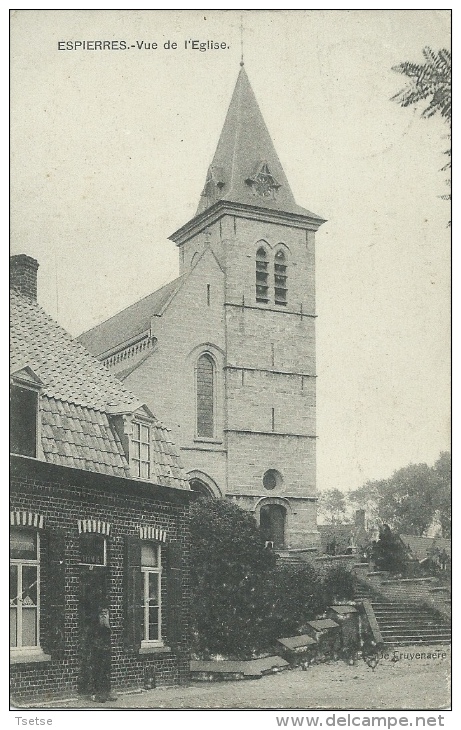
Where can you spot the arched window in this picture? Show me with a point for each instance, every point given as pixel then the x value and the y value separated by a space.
pixel 205 396
pixel 280 278
pixel 262 276
pixel 197 485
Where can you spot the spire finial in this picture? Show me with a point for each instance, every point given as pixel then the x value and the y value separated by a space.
pixel 242 63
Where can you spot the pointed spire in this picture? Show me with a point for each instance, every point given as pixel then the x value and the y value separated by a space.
pixel 245 167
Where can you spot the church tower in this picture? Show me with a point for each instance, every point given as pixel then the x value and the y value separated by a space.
pixel 225 353
pixel 264 244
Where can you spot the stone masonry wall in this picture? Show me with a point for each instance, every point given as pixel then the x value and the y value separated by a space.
pixel 265 364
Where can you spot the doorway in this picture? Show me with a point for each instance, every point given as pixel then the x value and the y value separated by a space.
pixel 93 595
pixel 272 519
pixel 197 485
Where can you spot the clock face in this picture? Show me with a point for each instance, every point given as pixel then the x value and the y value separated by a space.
pixel 263 183
pixel 264 186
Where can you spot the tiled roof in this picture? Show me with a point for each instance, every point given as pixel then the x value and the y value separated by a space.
pixel 166 465
pixel 342 534
pixel 421 547
pixel 76 397
pixel 68 370
pixel 130 322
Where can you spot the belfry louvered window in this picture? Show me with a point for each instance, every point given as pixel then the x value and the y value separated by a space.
pixel 262 276
pixel 280 279
pixel 205 396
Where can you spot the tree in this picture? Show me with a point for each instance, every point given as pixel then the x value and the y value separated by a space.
pixel 442 469
pixel 412 498
pixel 429 81
pixel 366 497
pixel 332 506
pixel 389 552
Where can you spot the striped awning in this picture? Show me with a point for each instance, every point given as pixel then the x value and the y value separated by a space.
pixel 103 528
pixel 152 533
pixel 27 519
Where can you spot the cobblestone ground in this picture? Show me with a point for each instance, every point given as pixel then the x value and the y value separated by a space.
pixel 408 683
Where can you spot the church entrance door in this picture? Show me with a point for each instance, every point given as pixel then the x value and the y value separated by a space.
pixel 272 523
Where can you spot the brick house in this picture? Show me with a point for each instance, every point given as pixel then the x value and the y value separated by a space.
pixel 99 516
pixel 226 352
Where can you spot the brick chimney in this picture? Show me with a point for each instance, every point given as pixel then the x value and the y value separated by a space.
pixel 23 275
pixel 360 518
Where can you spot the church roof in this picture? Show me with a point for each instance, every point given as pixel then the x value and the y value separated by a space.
pixel 246 168
pixel 130 322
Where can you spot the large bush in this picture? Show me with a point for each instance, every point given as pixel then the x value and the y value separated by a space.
pixel 242 601
pixel 229 563
pixel 292 595
pixel 338 585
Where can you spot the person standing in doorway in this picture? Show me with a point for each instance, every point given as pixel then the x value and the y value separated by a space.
pixel 101 657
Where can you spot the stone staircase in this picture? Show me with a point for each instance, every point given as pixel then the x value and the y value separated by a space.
pixel 404 622
pixel 408 623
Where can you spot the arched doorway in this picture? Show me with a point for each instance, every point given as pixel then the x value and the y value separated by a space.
pixel 203 484
pixel 272 519
pixel 197 485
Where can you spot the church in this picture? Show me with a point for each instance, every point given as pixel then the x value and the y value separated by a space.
pixel 225 353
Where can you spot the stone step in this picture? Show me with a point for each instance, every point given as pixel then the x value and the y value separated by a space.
pixel 404 641
pixel 403 614
pixel 415 625
pixel 421 633
pixel 402 605
pixel 406 617
pixel 414 629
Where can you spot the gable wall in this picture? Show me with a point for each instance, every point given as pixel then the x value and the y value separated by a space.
pixel 166 379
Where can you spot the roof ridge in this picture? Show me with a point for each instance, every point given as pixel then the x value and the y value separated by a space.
pixel 133 304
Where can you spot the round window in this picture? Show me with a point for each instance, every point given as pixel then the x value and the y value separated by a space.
pixel 272 479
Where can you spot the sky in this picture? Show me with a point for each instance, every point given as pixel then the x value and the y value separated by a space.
pixel 109 153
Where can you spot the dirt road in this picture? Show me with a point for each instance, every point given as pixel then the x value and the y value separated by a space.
pixel 408 683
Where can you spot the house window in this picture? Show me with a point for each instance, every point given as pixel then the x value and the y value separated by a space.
pixel 151 570
pixel 280 279
pixel 262 276
pixel 23 421
pixel 24 589
pixel 141 450
pixel 205 396
pixel 92 549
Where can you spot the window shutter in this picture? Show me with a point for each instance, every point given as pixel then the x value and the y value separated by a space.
pixel 133 593
pixel 53 603
pixel 174 594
